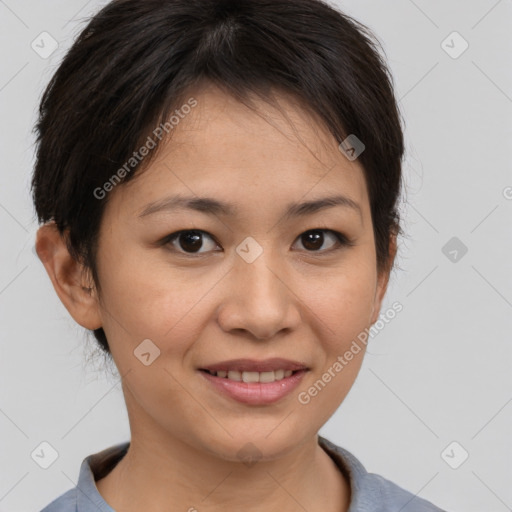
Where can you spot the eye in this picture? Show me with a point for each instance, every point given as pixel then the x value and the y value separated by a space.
pixel 189 240
pixel 314 239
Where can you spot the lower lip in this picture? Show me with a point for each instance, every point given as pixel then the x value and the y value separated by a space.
pixel 255 393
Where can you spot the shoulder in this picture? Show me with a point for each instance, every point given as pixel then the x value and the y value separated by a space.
pixel 390 495
pixel 85 497
pixel 64 503
pixel 372 492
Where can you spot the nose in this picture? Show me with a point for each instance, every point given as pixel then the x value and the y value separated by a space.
pixel 259 299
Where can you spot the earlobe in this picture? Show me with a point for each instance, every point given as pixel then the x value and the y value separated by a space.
pixel 69 278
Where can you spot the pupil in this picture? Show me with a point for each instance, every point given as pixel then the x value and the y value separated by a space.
pixel 315 236
pixel 190 240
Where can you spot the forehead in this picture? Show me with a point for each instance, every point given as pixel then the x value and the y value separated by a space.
pixel 259 158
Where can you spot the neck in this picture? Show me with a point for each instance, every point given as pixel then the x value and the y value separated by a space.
pixel 155 476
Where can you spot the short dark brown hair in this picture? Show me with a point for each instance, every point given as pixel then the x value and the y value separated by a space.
pixel 134 62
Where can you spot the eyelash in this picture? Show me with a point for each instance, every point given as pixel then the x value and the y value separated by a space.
pixel 342 240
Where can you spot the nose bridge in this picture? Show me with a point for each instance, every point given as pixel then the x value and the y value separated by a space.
pixel 260 301
pixel 260 279
pixel 258 276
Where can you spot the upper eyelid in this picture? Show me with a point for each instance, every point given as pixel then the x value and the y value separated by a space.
pixel 174 236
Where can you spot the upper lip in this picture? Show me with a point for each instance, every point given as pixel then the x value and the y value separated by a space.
pixel 251 365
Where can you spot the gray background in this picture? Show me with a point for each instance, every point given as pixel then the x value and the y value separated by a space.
pixel 438 373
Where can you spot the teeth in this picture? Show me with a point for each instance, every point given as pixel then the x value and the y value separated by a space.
pixel 252 376
pixel 267 377
pixel 279 374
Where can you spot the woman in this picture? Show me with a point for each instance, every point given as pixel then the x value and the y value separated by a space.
pixel 218 182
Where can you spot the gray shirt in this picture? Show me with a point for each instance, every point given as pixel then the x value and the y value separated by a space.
pixel 370 492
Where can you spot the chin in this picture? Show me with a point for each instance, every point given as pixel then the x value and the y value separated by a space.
pixel 249 445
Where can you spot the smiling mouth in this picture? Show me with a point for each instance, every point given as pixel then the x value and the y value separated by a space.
pixel 251 377
pixel 253 382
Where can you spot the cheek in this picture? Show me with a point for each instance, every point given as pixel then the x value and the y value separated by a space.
pixel 341 313
pixel 144 300
pixel 341 307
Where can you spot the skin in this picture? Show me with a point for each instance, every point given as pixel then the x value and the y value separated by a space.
pixel 292 302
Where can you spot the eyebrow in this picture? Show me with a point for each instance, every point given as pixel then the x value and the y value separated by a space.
pixel 215 207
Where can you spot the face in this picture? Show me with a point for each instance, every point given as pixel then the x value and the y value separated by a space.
pixel 254 280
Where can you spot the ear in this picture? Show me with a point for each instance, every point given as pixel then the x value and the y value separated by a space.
pixel 383 279
pixel 69 278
